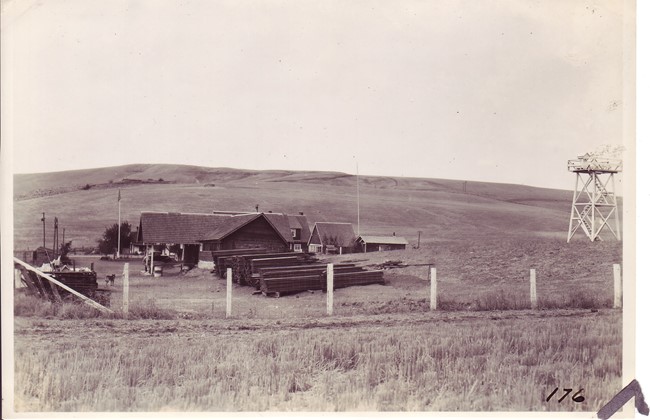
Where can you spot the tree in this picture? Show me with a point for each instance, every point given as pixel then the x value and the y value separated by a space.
pixel 64 251
pixel 108 242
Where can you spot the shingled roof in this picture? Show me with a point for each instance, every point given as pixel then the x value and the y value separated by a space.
pixel 285 222
pixel 343 233
pixel 182 228
pixel 229 225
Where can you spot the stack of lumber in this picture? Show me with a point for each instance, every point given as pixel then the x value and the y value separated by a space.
pixel 84 282
pixel 289 272
pixel 246 268
pixel 278 282
pixel 223 259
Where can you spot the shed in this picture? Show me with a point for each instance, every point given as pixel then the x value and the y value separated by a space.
pixel 332 237
pixel 36 257
pixel 368 243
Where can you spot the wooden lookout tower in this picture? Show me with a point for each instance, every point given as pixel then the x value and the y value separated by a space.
pixel 594 198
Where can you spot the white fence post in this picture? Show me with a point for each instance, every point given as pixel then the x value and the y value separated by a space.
pixel 533 289
pixel 433 305
pixel 125 290
pixel 618 298
pixel 228 292
pixel 330 289
pixel 17 281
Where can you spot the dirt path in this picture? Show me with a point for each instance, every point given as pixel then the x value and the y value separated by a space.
pixel 37 329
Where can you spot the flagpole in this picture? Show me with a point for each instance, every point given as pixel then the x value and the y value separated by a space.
pixel 119 221
pixel 358 207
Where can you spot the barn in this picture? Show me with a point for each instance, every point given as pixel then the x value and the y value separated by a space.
pixel 220 230
pixel 368 243
pixel 254 230
pixel 332 237
pixel 161 229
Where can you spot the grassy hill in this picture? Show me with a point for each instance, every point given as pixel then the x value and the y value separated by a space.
pixel 85 201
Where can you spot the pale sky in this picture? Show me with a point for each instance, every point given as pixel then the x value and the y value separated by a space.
pixel 500 91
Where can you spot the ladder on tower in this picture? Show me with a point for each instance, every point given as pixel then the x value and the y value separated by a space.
pixel 594 206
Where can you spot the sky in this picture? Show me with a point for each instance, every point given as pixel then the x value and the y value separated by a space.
pixel 498 91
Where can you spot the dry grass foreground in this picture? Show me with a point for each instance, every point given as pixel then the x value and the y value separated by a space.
pixel 502 360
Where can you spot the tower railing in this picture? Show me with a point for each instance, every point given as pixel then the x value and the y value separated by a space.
pixel 587 163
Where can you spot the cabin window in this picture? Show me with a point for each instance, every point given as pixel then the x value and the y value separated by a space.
pixel 297 247
pixel 295 233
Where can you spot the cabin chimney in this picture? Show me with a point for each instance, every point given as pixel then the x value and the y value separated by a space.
pixel 257 208
pixel 301 213
pixel 393 233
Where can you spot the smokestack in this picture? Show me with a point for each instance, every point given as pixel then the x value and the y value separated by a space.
pixel 257 208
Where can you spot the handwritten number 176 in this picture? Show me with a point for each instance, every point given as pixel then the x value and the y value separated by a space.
pixel 576 397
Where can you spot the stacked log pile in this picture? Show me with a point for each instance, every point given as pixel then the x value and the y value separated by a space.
pixel 84 282
pixel 246 268
pixel 223 259
pixel 289 272
pixel 281 282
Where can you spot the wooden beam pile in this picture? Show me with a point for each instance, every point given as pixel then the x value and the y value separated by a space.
pixel 293 281
pixel 289 272
pixel 246 268
pixel 84 282
pixel 223 259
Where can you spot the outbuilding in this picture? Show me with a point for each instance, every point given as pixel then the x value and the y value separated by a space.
pixel 332 237
pixel 368 243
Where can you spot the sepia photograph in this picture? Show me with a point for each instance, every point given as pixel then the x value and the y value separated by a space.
pixel 271 206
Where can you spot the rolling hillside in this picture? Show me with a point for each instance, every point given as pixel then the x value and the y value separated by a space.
pixel 85 201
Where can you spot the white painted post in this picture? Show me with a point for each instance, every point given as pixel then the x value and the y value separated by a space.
pixel 151 266
pixel 125 290
pixel 533 289
pixel 17 281
pixel 618 298
pixel 433 304
pixel 330 289
pixel 228 292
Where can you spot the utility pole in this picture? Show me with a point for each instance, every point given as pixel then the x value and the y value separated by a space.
pixel 419 233
pixel 43 220
pixel 119 221
pixel 55 239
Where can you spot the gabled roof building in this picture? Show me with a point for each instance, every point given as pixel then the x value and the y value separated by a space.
pixel 332 237
pixel 369 243
pixel 197 232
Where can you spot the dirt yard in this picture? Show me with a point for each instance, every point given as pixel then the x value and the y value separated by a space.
pixel 482 275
